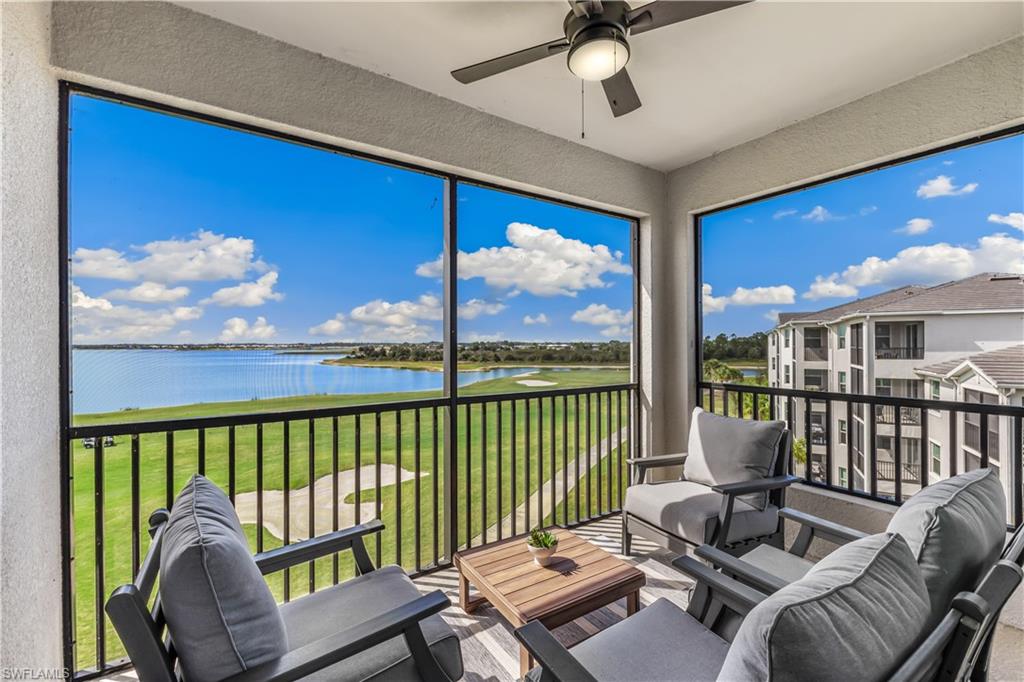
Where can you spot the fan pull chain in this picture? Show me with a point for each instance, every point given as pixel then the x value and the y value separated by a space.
pixel 583 110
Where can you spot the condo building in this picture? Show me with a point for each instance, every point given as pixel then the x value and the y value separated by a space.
pixel 958 341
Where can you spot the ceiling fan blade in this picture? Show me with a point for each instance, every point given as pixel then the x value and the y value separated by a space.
pixel 621 94
pixel 491 67
pixel 664 12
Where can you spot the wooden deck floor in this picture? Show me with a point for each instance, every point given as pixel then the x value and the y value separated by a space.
pixel 491 653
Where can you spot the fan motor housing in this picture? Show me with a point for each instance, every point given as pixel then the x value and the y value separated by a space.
pixel 611 22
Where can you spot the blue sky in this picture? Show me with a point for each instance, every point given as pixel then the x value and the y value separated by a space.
pixel 186 232
pixel 939 218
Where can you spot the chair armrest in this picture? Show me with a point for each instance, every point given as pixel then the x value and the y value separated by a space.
pixel 657 461
pixel 291 555
pixel 757 486
pixel 558 663
pixel 737 567
pixel 828 530
pixel 734 594
pixel 347 642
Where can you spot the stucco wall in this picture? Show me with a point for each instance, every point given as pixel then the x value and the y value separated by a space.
pixel 981 92
pixel 30 603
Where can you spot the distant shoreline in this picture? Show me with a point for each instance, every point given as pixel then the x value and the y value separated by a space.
pixel 433 366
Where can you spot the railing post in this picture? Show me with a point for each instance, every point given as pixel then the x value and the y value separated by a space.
pixel 451 356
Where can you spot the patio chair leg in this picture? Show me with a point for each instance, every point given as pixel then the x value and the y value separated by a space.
pixel 627 539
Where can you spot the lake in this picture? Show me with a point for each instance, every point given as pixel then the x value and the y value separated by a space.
pixel 112 380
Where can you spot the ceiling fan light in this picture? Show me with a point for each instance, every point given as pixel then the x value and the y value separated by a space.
pixel 598 58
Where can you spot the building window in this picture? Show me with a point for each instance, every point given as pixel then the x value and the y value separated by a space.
pixel 842 382
pixel 773 363
pixel 936 459
pixel 842 477
pixel 883 339
pixel 785 379
pixel 842 432
pixel 786 339
pixel 841 335
pixel 935 389
pixel 883 387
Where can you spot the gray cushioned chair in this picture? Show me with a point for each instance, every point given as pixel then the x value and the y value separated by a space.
pixel 956 529
pixel 729 494
pixel 214 617
pixel 858 614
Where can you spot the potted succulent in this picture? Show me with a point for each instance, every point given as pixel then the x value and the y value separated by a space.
pixel 542 546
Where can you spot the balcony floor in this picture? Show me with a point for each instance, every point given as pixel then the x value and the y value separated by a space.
pixel 490 651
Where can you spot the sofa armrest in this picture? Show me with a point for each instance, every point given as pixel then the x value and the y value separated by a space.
pixel 815 526
pixel 557 662
pixel 756 486
pixel 738 568
pixel 657 461
pixel 734 594
pixel 322 545
pixel 402 620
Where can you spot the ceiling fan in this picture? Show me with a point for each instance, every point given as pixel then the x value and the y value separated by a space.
pixel 596 36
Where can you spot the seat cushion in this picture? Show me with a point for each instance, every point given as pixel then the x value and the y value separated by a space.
pixel 729 450
pixel 956 529
pixel 659 643
pixel 856 615
pixel 690 510
pixel 778 562
pixel 324 613
pixel 220 613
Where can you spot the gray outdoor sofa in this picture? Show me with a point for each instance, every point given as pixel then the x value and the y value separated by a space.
pixel 214 617
pixel 729 494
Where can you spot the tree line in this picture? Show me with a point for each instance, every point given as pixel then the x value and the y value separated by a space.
pixel 609 352
pixel 733 347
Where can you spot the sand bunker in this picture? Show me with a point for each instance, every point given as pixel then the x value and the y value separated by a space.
pixel 536 382
pixel 298 509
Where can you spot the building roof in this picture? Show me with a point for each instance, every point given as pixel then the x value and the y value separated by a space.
pixel 987 291
pixel 1004 367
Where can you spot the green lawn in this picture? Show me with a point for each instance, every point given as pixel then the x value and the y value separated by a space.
pixel 398 503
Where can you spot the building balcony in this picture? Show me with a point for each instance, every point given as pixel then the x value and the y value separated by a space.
pixel 900 353
pixel 815 354
pixel 886 414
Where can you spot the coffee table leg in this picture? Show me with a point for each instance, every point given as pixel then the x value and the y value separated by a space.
pixel 525 661
pixel 464 593
pixel 632 603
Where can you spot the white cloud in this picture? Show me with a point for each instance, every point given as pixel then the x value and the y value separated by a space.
pixel 149 292
pixel 917 226
pixel 540 318
pixel 942 186
pixel 925 265
pixel 868 210
pixel 779 215
pixel 97 319
pixel 539 261
pixel 238 329
pixel 617 323
pixel 819 214
pixel 1012 219
pixel 399 321
pixel 772 316
pixel 475 307
pixel 782 294
pixel 947 163
pixel 829 287
pixel 205 257
pixel 247 294
pixel 332 327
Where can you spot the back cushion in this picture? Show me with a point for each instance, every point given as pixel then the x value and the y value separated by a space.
pixel 956 529
pixel 855 616
pixel 729 450
pixel 220 613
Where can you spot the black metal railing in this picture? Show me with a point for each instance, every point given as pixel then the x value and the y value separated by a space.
pixel 941 419
pixel 900 353
pixel 441 474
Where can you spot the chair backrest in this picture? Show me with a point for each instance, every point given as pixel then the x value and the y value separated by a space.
pixel 958 648
pixel 143 629
pixel 778 497
pixel 1013 554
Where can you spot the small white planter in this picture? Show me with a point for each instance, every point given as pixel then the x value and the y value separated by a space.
pixel 542 555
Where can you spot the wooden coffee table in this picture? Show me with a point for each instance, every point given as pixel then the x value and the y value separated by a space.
pixel 581 578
